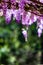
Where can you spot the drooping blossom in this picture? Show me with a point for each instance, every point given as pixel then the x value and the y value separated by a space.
pixel 40 25
pixel 17 15
pixel 25 12
pixel 24 32
pixel 8 15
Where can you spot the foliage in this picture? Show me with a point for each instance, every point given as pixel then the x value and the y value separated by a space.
pixel 13 48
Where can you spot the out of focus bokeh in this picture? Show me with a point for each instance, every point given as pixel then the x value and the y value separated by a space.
pixel 14 50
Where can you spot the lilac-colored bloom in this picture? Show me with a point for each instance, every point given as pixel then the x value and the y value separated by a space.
pixel 17 9
pixel 28 18
pixel 24 32
pixel 41 1
pixel 39 32
pixel 21 4
pixel 25 18
pixel 17 15
pixel 33 18
pixel 40 25
pixel 8 15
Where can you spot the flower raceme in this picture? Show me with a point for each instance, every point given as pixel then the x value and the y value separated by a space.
pixel 27 11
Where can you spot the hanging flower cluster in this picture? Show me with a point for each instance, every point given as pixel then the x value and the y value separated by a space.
pixel 24 11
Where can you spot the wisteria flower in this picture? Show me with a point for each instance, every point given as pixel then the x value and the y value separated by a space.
pixel 8 15
pixel 17 15
pixel 24 32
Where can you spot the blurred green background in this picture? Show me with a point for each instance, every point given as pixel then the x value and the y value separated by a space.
pixel 14 50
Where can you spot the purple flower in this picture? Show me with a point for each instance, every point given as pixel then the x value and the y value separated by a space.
pixel 21 4
pixel 17 15
pixel 39 32
pixel 17 9
pixel 41 1
pixel 28 18
pixel 8 15
pixel 25 18
pixel 33 18
pixel 40 25
pixel 24 32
